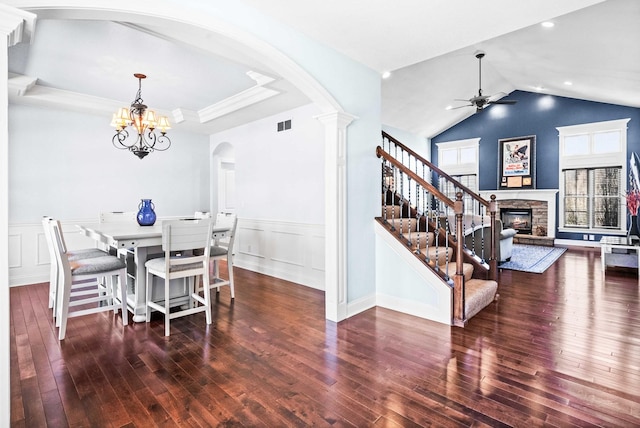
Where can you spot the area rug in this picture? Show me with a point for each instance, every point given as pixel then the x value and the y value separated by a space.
pixel 532 258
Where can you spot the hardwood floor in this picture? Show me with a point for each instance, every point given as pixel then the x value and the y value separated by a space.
pixel 558 349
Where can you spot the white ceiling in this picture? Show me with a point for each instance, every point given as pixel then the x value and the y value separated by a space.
pixel 428 44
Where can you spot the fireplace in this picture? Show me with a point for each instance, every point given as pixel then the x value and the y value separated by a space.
pixel 519 219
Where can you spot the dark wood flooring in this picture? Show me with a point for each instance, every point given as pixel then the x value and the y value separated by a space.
pixel 558 349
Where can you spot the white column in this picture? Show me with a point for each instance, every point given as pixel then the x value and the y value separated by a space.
pixel 335 217
pixel 16 26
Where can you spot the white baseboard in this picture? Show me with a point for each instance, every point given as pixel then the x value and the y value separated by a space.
pixel 244 262
pixel 361 305
pixel 410 307
pixel 575 243
pixel 290 251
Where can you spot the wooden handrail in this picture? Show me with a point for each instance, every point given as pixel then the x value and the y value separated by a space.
pixel 440 172
pixel 459 316
pixel 441 196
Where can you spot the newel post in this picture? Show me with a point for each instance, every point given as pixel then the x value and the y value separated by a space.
pixel 458 279
pixel 493 261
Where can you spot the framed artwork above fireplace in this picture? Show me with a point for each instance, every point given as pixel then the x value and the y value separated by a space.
pixel 517 167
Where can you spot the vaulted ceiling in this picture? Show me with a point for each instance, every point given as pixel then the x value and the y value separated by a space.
pixel 428 46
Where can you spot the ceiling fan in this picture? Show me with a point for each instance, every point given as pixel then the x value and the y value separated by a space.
pixel 481 101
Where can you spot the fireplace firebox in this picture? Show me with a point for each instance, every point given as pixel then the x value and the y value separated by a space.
pixel 519 219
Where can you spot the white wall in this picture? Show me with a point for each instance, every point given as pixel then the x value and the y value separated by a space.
pixel 333 81
pixel 279 175
pixel 279 181
pixel 403 283
pixel 63 164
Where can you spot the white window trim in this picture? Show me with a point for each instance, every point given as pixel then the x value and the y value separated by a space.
pixel 615 159
pixel 461 168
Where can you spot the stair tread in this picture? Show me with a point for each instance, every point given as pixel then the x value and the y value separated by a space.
pixel 478 294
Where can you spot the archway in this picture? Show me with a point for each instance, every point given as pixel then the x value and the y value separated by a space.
pixel 228 24
pixel 222 197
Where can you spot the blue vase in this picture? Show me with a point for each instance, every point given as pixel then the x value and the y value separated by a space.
pixel 146 215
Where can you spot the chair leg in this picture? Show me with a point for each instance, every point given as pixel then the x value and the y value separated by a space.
pixel 53 284
pixel 230 272
pixel 63 302
pixel 149 294
pixel 57 305
pixel 207 294
pixel 122 282
pixel 167 318
pixel 216 272
pixel 111 291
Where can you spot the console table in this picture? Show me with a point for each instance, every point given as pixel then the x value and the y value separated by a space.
pixel 619 251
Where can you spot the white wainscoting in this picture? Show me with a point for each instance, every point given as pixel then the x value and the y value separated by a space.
pixel 29 254
pixel 290 251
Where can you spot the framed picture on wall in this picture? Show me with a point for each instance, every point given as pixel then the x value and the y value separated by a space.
pixel 517 167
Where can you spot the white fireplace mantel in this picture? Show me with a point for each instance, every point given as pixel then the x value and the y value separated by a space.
pixel 546 195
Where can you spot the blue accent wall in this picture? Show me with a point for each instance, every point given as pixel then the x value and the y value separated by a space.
pixel 539 115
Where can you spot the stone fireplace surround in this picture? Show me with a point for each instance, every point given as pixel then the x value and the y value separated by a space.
pixel 541 201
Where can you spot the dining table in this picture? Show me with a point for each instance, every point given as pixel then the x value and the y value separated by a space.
pixel 137 244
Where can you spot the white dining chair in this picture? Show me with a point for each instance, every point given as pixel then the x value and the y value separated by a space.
pixel 222 249
pixel 181 236
pixel 87 286
pixel 54 271
pixel 119 217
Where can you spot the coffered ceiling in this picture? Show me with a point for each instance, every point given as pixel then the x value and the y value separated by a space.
pixel 428 45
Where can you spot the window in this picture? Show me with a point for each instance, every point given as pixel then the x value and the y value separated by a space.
pixel 592 198
pixel 459 159
pixel 592 170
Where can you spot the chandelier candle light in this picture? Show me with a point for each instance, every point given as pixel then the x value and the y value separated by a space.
pixel 145 123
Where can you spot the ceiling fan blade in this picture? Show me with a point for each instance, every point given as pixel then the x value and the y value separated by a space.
pixel 503 102
pixel 467 105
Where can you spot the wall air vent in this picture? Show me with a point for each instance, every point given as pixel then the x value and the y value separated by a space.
pixel 283 126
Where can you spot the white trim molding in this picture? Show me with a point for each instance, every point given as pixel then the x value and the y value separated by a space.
pixel 16 26
pixel 592 155
pixel 335 196
pixel 291 251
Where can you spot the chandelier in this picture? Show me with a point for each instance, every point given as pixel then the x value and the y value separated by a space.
pixel 145 123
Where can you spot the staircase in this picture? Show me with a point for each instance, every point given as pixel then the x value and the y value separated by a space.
pixel 432 226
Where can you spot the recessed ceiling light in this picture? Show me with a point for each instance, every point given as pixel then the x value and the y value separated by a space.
pixel 568 83
pixel 547 24
pixel 386 74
